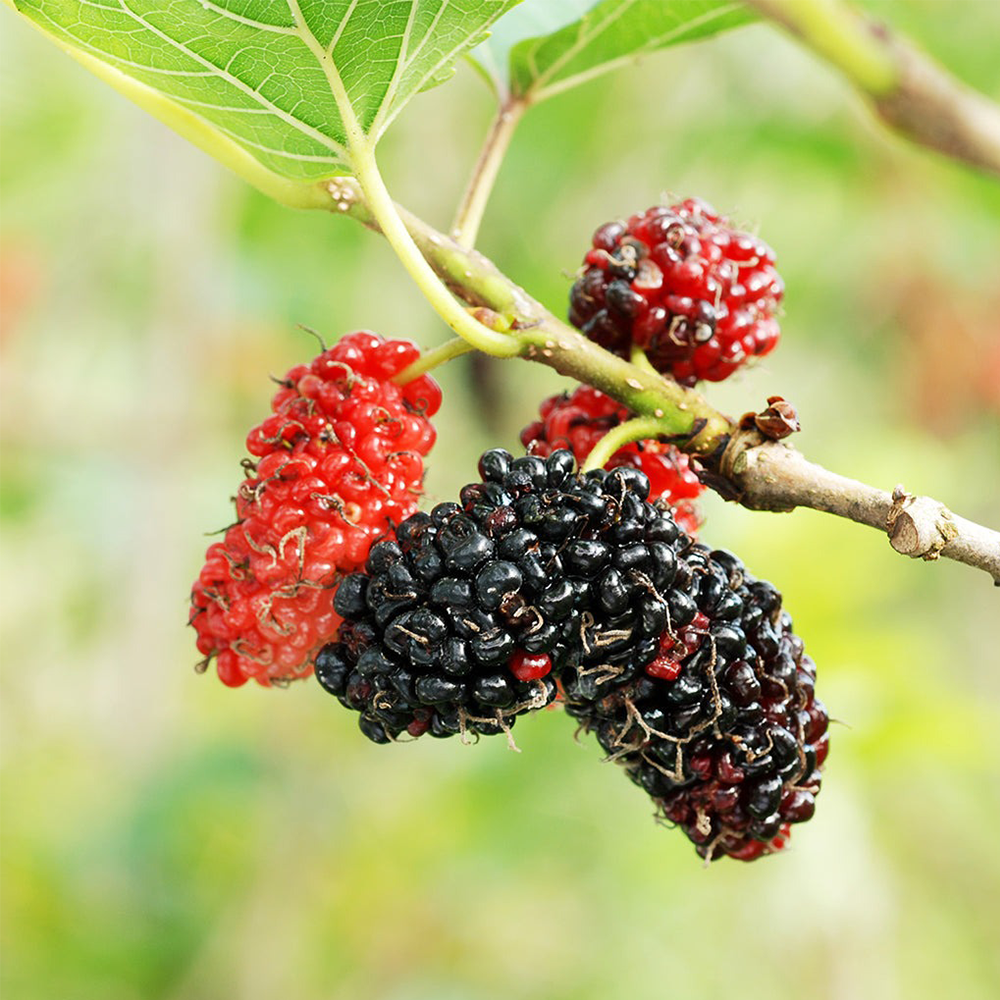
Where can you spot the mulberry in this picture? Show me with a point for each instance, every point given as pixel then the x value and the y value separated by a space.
pixel 698 297
pixel 465 619
pixel 339 460
pixel 722 727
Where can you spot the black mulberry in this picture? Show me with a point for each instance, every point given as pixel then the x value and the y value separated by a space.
pixel 465 619
pixel 544 580
pixel 721 727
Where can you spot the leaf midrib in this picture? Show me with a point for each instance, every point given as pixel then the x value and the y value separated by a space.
pixel 582 40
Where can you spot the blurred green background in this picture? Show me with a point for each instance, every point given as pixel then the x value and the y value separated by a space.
pixel 166 837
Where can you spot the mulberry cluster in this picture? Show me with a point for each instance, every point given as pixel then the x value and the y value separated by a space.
pixel 578 420
pixel 722 728
pixel 338 461
pixel 698 297
pixel 542 583
pixel 464 621
pixel 541 580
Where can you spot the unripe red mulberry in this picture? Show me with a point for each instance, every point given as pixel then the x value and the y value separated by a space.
pixel 338 462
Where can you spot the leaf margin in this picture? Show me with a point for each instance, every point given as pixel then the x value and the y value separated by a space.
pixel 528 91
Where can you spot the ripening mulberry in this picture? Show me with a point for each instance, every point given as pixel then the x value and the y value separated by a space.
pixel 722 727
pixel 578 420
pixel 338 461
pixel 697 296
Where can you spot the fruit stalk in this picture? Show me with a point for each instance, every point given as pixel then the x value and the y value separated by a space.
pixel 632 430
pixel 395 231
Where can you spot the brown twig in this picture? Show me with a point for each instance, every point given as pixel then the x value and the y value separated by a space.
pixel 772 475
pixel 908 90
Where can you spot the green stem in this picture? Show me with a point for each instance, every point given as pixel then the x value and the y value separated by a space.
pixel 679 413
pixel 682 414
pixel 446 306
pixel 477 194
pixel 430 360
pixel 638 429
pixel 639 359
pixel 839 34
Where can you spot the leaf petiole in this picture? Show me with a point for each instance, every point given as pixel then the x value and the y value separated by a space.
pixel 477 194
pixel 445 304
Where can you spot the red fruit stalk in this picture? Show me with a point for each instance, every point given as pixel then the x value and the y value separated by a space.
pixel 676 281
pixel 578 420
pixel 335 466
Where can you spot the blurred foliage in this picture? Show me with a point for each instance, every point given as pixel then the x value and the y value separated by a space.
pixel 167 838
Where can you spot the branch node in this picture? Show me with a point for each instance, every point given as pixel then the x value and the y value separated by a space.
pixel 919 527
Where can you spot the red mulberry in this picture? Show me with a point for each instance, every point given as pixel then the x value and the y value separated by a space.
pixel 338 462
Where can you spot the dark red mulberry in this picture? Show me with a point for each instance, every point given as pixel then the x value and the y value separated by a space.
pixel 722 728
pixel 676 281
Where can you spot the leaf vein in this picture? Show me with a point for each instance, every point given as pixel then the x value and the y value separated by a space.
pixel 278 29
pixel 583 39
pixel 301 126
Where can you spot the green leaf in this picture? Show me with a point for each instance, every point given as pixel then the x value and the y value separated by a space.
pixel 279 90
pixel 531 19
pixel 552 45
